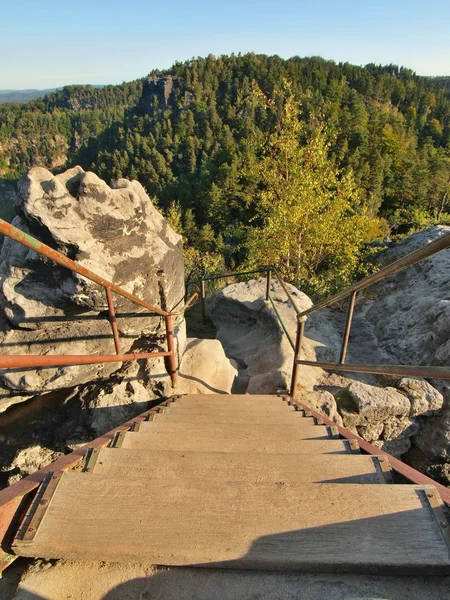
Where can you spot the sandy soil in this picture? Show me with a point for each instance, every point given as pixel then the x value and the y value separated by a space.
pixel 60 580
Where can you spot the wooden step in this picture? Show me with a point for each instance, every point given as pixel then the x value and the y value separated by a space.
pixel 269 408
pixel 253 433
pixel 321 527
pixel 247 400
pixel 226 466
pixel 211 441
pixel 260 417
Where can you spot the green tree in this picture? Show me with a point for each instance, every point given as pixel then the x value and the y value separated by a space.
pixel 173 217
pixel 311 224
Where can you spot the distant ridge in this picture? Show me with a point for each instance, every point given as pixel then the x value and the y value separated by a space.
pixel 22 96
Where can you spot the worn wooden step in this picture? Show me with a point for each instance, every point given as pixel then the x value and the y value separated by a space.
pixel 259 417
pixel 243 400
pixel 229 417
pixel 226 466
pixel 273 406
pixel 321 527
pixel 249 431
pixel 211 441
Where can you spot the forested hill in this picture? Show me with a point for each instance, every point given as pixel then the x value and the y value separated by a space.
pixel 188 135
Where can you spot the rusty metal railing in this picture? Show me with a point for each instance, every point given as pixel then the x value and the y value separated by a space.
pixel 268 273
pixel 435 372
pixel 24 361
pixel 413 258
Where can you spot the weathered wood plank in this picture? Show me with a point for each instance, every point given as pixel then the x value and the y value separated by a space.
pixel 229 400
pixel 252 432
pixel 213 442
pixel 227 466
pixel 329 527
pixel 259 417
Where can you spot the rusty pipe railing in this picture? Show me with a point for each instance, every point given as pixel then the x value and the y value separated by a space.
pixel 27 240
pixel 442 243
pixel 407 261
pixel 413 258
pixel 27 361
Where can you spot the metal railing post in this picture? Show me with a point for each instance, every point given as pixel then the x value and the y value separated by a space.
pixel 113 320
pixel 269 273
pixel 348 326
pixel 170 361
pixel 297 353
pixel 203 297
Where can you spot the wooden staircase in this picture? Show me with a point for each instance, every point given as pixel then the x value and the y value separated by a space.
pixel 237 482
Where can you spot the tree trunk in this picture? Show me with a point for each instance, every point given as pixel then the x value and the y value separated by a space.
pixel 443 203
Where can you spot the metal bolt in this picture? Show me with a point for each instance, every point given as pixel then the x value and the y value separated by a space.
pixel 30 528
pixel 430 494
pixel 381 458
pixel 55 477
pixel 444 524
pixel 44 501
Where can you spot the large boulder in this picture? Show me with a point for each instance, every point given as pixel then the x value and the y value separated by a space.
pixel 115 232
pixel 434 440
pixel 378 404
pixel 411 312
pixel 205 369
pixel 252 335
pixel 425 399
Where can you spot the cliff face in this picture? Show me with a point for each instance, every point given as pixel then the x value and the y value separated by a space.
pixel 164 92
pixel 410 311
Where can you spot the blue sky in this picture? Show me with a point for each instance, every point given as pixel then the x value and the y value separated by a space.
pixel 50 43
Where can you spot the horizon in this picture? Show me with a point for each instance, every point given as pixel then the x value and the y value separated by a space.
pixel 76 83
pixel 48 45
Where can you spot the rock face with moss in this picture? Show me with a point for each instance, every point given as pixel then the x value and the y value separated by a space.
pixel 115 232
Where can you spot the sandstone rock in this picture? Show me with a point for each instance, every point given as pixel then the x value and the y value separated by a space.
pixel 100 406
pixel 424 398
pixel 115 232
pixel 324 403
pixel 395 428
pixel 411 313
pixel 370 432
pixel 114 404
pixel 376 404
pixel 29 460
pixel 438 470
pixel 351 418
pixel 8 399
pixel 267 383
pixel 435 437
pixel 395 447
pixel 205 369
pixel 251 334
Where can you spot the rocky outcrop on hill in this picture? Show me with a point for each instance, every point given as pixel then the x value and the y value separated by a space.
pixel 115 232
pixel 162 92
